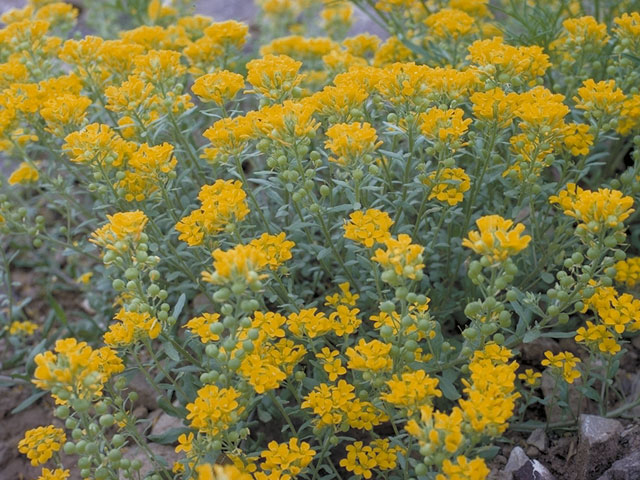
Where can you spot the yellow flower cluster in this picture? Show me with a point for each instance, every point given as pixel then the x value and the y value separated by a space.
pixel 22 328
pixel 352 144
pixel 123 227
pixel 39 444
pixel 337 406
pixel 595 211
pixel 285 460
pixel 24 174
pixel 496 240
pixel 362 459
pixel 218 87
pixel 369 227
pixel 214 409
pixel 448 185
pixel 400 259
pixel 131 328
pixel 223 204
pixel 563 365
pixel 628 271
pixel 74 370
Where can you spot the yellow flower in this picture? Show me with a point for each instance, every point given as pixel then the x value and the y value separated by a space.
pixel 223 203
pixel 286 459
pixel 450 22
pixel 530 377
pixel 563 364
pixel 594 211
pixel 218 87
pixel 507 63
pixel 401 259
pixel 22 328
pixel 331 364
pixel 496 240
pixel 131 327
pixel 276 249
pixel 309 322
pixel 122 226
pixel 221 472
pixel 628 271
pixel 85 278
pixel 411 390
pixel 201 326
pixel 463 469
pixel 352 143
pixel 274 77
pixel 24 174
pixel 214 410
pixel 445 126
pixel 368 228
pixel 57 474
pixel 629 115
pixel 372 356
pixel 39 444
pixel 75 370
pixel 241 263
pixel 359 460
pixel 602 100
pixel 494 105
pixel 448 185
pixel 228 136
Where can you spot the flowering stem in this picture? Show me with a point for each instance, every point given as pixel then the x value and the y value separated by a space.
pixel 278 404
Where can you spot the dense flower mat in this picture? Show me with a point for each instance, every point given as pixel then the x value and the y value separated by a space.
pixel 322 251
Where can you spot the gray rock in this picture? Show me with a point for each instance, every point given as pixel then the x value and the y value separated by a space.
pixel 627 468
pixel 533 470
pixel 146 394
pixel 538 439
pixel 164 422
pixel 598 445
pixel 532 452
pixel 517 459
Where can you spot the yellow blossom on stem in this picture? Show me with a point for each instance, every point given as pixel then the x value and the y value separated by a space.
pixel 352 143
pixel 122 226
pixel 39 444
pixel 214 410
pixel 331 364
pixel 22 328
pixel 563 364
pixel 411 390
pixel 495 238
pixel 628 271
pixel 594 210
pixel 285 460
pixel 57 474
pixel 402 259
pixel 446 126
pixel 24 174
pixel 602 100
pixel 372 356
pixel 449 22
pixel 448 185
pixel 132 327
pixel 530 377
pixel 239 264
pixel 274 77
pixel 223 203
pixel 218 87
pixel 75 370
pixel 368 228
pixel 463 469
pixel 276 249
